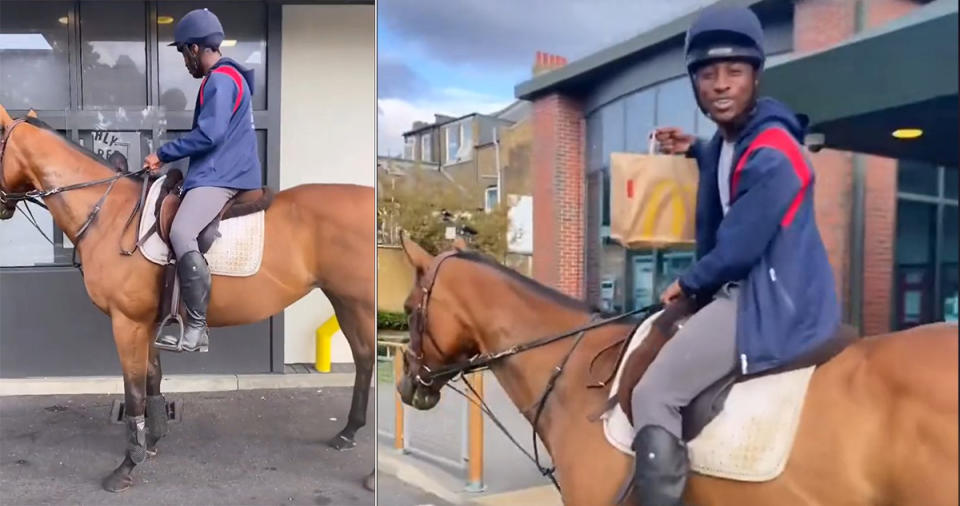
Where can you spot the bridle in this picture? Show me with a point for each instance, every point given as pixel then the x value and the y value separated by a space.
pixel 36 195
pixel 426 377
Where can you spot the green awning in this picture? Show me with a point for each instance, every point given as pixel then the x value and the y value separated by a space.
pixel 900 75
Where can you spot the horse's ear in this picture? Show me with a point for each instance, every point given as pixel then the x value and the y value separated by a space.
pixel 31 113
pixel 418 257
pixel 460 245
pixel 5 118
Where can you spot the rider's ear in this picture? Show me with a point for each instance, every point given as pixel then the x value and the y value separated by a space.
pixel 416 255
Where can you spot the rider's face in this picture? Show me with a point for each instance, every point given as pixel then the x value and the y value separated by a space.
pixel 191 59
pixel 726 89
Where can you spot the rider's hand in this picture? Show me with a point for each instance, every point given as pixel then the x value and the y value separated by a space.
pixel 672 293
pixel 673 141
pixel 152 163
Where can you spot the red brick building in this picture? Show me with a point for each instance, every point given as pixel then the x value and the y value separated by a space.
pixel 832 60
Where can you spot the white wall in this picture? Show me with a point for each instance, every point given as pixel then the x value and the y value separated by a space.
pixel 328 128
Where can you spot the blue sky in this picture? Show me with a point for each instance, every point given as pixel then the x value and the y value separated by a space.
pixel 460 56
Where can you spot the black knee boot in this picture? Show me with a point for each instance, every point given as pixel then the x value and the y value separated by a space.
pixel 195 289
pixel 661 467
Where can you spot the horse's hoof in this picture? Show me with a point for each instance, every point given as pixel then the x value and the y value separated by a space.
pixel 151 452
pixel 117 482
pixel 342 443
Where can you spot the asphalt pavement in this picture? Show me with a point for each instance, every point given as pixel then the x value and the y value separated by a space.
pixel 251 447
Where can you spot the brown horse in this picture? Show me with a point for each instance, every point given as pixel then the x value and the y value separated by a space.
pixel 879 424
pixel 316 236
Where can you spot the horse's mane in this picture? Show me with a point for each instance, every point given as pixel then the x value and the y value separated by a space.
pixel 532 285
pixel 75 145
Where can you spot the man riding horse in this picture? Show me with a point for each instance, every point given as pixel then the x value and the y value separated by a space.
pixel 222 147
pixel 762 274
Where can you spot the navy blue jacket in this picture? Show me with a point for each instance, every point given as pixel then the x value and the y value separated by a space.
pixel 222 145
pixel 768 241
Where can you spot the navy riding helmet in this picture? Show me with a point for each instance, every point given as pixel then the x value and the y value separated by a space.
pixel 724 32
pixel 199 26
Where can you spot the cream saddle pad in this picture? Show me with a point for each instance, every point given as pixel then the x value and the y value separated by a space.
pixel 237 252
pixel 750 440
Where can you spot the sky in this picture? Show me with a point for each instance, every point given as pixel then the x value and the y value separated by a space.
pixel 455 57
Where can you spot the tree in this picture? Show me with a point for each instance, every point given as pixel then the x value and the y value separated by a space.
pixel 415 205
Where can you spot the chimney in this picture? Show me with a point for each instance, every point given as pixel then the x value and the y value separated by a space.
pixel 546 62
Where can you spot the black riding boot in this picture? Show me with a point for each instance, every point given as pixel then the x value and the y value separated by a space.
pixel 195 291
pixel 195 288
pixel 661 467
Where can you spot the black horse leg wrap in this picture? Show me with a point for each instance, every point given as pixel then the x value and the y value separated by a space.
pixel 136 438
pixel 156 416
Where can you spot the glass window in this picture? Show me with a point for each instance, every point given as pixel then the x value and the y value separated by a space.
pixel 948 264
pixel 640 108
pixel 950 182
pixel 409 144
pixel 113 53
pixel 672 265
pixel 452 134
pixel 491 199
pixel 21 245
pixel 614 134
pixel 426 148
pixel 245 27
pixel 917 177
pixel 466 131
pixel 34 55
pixel 675 105
pixel 913 279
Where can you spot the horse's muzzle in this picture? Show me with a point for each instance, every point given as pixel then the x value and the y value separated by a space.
pixel 416 395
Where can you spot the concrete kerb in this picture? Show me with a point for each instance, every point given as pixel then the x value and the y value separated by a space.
pixel 177 383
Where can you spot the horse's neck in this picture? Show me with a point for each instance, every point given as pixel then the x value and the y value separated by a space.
pixel 57 165
pixel 524 376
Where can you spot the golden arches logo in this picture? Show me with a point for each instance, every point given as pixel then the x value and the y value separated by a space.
pixel 666 199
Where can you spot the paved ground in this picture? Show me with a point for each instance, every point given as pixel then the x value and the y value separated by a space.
pixel 393 492
pixel 440 432
pixel 254 447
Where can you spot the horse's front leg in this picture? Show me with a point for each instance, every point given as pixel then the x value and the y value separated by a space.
pixel 156 408
pixel 133 347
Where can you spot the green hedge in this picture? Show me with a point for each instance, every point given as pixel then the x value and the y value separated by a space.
pixel 391 321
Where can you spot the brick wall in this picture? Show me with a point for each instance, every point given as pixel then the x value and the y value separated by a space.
pixel 558 183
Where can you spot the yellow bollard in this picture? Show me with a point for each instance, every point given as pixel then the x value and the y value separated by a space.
pixel 325 334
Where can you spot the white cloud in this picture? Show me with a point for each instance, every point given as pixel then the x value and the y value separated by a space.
pixel 396 116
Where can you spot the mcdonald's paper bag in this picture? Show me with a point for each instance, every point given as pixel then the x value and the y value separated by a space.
pixel 652 200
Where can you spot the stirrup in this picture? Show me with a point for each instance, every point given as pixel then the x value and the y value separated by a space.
pixel 157 343
pixel 203 347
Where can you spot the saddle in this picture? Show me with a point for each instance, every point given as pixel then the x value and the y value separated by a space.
pixel 168 202
pixel 709 403
pixel 242 204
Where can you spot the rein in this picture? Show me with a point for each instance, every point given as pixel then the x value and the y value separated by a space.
pixel 36 195
pixel 483 361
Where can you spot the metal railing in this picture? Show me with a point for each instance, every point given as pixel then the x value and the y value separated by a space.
pixel 468 432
